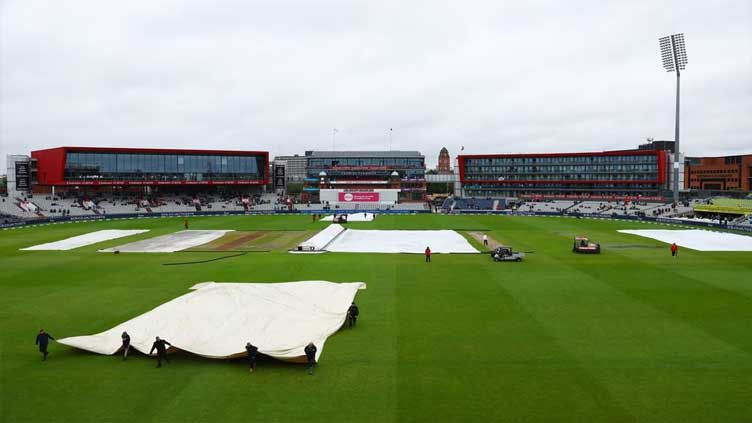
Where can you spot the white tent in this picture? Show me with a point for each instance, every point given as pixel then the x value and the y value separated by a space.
pixel 217 319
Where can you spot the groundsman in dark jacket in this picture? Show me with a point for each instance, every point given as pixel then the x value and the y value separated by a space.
pixel 43 339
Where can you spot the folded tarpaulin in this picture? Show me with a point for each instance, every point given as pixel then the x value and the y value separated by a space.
pixel 319 241
pixel 217 319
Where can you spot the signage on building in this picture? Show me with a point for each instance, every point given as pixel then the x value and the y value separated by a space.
pixel 359 197
pixel 147 182
pixel 279 176
pixel 365 167
pixel 540 197
pixel 23 176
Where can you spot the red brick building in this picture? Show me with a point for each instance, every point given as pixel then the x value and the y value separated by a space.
pixel 587 175
pixel 444 162
pixel 718 173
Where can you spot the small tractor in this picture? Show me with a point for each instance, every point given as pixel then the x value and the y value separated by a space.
pixel 583 245
pixel 506 254
pixel 339 218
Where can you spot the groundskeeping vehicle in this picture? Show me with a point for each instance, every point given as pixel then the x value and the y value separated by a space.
pixel 506 254
pixel 339 218
pixel 584 245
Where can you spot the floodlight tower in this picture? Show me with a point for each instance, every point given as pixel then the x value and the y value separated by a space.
pixel 674 56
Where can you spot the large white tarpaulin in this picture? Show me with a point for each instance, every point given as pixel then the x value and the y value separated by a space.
pixel 351 217
pixel 398 241
pixel 323 238
pixel 86 239
pixel 217 319
pixel 697 239
pixel 169 243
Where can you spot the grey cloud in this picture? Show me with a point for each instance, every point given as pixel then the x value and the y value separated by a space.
pixel 279 75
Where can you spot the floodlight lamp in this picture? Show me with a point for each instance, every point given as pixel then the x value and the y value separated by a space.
pixel 673 52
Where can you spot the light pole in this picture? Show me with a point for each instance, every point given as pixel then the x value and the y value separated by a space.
pixel 674 56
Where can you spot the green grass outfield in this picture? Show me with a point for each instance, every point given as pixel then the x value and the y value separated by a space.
pixel 631 335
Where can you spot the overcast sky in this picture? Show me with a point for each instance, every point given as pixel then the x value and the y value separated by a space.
pixel 494 76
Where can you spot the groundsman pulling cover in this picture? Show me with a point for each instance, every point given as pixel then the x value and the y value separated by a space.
pixel 217 319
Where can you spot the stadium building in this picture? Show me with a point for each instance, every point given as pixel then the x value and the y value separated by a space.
pixel 444 167
pixel 96 169
pixel 719 173
pixel 288 169
pixel 638 173
pixel 364 176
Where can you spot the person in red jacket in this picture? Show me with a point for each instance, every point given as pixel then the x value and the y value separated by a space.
pixel 428 254
pixel 674 249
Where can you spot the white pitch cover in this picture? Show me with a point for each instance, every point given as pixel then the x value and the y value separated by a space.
pixel 400 241
pixel 323 238
pixel 169 243
pixel 217 319
pixel 85 239
pixel 696 239
pixel 351 217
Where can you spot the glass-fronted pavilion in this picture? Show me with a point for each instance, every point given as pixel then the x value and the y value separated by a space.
pixel 66 166
pixel 366 170
pixel 576 175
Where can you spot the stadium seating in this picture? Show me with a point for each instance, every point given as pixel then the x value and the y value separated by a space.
pixel 545 206
pixel 356 206
pixel 458 203
pixel 48 206
pixel 20 207
pixel 39 206
pixel 732 202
